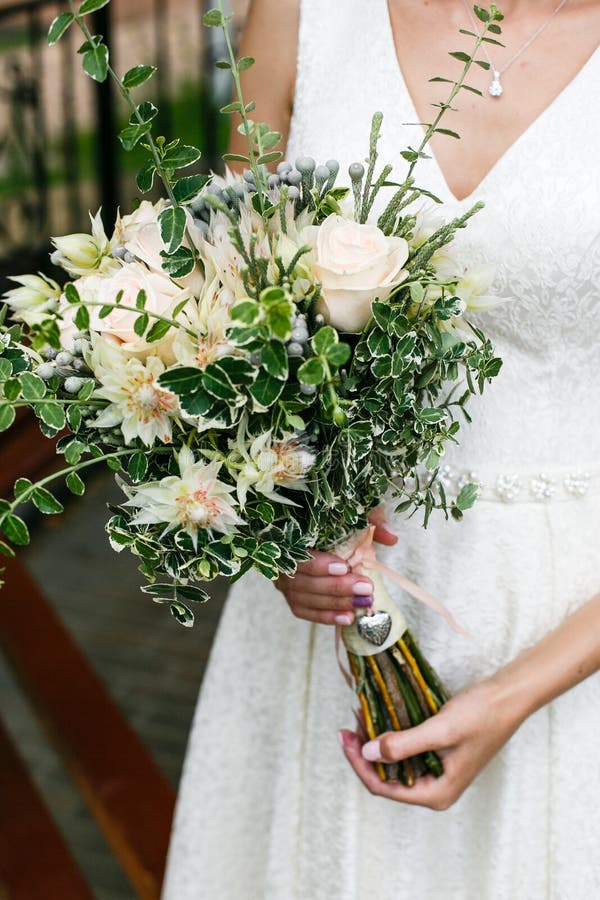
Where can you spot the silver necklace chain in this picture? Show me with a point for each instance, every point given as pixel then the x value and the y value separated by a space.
pixel 495 89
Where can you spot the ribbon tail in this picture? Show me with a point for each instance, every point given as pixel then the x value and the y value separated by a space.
pixel 420 594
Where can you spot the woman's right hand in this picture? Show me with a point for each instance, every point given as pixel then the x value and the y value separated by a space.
pixel 324 590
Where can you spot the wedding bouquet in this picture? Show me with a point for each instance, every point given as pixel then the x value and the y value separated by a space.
pixel 260 360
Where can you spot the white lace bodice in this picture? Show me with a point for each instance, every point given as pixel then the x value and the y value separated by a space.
pixel 541 231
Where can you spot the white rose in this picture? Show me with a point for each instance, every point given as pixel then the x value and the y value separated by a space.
pixel 162 295
pixel 355 264
pixel 139 233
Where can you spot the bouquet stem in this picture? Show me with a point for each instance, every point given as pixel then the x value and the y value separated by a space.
pixel 398 689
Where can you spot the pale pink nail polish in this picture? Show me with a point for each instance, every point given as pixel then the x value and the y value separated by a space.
pixel 371 751
pixel 344 619
pixel 363 588
pixel 337 568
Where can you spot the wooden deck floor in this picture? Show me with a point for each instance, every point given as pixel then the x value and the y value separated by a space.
pixel 152 666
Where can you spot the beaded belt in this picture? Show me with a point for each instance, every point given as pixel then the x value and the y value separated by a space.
pixel 523 487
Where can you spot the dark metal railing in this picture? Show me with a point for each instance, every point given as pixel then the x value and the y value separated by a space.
pixel 59 156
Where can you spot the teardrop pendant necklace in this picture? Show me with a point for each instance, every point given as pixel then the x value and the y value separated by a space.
pixel 495 89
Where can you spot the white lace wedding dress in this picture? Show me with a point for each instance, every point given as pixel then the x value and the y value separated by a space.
pixel 268 807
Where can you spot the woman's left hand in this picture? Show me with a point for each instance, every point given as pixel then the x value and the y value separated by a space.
pixel 466 733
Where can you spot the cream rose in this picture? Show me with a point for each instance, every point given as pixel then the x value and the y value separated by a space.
pixel 355 264
pixel 139 233
pixel 162 295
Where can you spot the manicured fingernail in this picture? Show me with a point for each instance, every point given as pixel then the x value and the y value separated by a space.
pixel 371 751
pixel 344 619
pixel 362 602
pixel 362 587
pixel 344 739
pixel 337 568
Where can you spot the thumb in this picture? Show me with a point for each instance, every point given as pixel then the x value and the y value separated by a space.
pixel 382 534
pixel 397 745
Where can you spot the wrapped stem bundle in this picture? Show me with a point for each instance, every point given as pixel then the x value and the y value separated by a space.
pixel 396 686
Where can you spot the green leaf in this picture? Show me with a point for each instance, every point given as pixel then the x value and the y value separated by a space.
pixel 267 158
pixel 432 416
pixel 95 62
pixel 178 264
pixel 311 371
pixel 265 390
pixel 338 354
pixel 244 63
pixel 22 487
pixel 46 502
pixel 180 157
pixel 214 18
pixel 144 113
pixel 141 324
pixel 217 383
pixel 235 157
pixel 132 135
pixel 481 13
pixel 52 414
pixel 279 310
pixel 172 222
pixel 32 386
pixel 158 331
pixel 89 6
pixel 87 390
pixel 138 466
pixel 183 615
pixel 458 54
pixel 192 593
pixel 233 107
pixel 5 550
pixel 324 338
pixel 114 464
pixel 6 368
pixel 75 484
pixel 7 416
pixel 59 26
pixel 71 293
pixel 82 319
pixel 15 530
pixel 74 451
pixel 12 389
pixel 182 381
pixel 447 132
pixel 248 311
pixel 274 359
pixel 187 188
pixel 138 75
pixel 74 417
pixel 467 496
pixel 145 177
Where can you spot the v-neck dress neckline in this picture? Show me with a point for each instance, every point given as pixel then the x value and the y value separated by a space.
pixel 396 71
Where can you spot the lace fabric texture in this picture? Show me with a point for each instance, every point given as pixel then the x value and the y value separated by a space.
pixel 268 808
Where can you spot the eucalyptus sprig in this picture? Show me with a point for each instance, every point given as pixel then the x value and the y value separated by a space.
pixel 166 158
pixel 259 137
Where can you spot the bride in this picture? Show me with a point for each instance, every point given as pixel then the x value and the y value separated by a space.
pixel 269 809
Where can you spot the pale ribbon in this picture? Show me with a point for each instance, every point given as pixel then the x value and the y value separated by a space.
pixel 363 557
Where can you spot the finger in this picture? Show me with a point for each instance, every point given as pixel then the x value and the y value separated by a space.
pixel 327 586
pixel 393 746
pixel 319 602
pixel 383 533
pixel 322 564
pixel 426 791
pixel 323 617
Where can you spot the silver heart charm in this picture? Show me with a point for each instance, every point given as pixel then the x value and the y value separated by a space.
pixel 375 628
